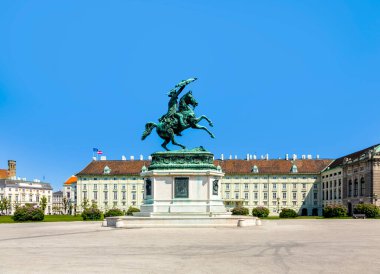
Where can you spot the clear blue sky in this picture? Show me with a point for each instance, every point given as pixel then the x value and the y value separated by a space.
pixel 274 76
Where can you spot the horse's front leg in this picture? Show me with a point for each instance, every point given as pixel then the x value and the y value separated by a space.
pixel 204 117
pixel 205 129
pixel 174 142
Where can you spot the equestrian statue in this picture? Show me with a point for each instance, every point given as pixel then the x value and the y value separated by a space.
pixel 180 116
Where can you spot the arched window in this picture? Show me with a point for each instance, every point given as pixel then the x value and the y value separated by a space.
pixel 349 188
pixel 255 169
pixel 294 169
pixel 362 187
pixel 356 187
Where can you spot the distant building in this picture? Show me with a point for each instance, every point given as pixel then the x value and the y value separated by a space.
pixel 69 202
pixel 20 193
pixel 57 206
pixel 9 173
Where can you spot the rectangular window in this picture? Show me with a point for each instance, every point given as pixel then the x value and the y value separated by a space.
pixel 124 195
pixel 236 195
pixel 95 187
pixel 294 203
pixel 227 186
pixel 246 186
pixel 265 195
pixel 274 203
pixel 84 187
pixel 84 195
pixel 315 186
pixel 106 195
pixel 283 186
pixel 133 196
pixel 294 185
pixel 255 186
pixel 284 203
pixel 123 187
pixel 95 195
pixel 294 195
pixel 236 186
pixel 246 195
pixel 303 186
pixel 227 195
pixel 105 187
pixel 255 195
pixel 283 195
pixel 115 187
pixel 315 195
pixel 274 186
pixel 303 195
pixel 265 186
pixel 274 195
pixel 133 187
pixel 115 195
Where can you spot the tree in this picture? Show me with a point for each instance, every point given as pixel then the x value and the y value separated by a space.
pixel 5 205
pixel 65 204
pixel 2 208
pixel 43 203
pixel 85 204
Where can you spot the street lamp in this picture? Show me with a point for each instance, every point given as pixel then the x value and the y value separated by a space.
pixel 278 205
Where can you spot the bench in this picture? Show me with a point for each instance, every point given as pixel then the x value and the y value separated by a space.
pixel 358 216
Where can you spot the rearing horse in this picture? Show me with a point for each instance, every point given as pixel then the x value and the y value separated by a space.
pixel 183 119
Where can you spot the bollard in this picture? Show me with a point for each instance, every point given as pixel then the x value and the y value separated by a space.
pixel 119 223
pixel 241 223
pixel 258 222
pixel 104 223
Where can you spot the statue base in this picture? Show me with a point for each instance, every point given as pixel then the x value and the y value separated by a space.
pixel 182 182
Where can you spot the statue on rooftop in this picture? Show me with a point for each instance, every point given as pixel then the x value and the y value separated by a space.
pixel 180 116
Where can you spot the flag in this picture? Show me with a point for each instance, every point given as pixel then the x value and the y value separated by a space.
pixel 99 152
pixel 95 149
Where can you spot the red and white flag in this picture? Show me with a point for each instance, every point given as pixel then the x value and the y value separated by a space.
pixel 99 152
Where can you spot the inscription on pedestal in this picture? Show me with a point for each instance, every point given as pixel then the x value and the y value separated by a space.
pixel 181 187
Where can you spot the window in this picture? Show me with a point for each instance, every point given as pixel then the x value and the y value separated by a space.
pixel 356 186
pixel 294 195
pixel 283 195
pixel 349 188
pixel 294 185
pixel 84 195
pixel 95 187
pixel 106 195
pixel 246 195
pixel 274 203
pixel 294 203
pixel 283 186
pixel 123 195
pixel 315 186
pixel 95 195
pixel 340 182
pixel 294 169
pixel 274 195
pixel 227 195
pixel 334 183
pixel 84 187
pixel 133 187
pixel 115 195
pixel 303 186
pixel 362 187
pixel 284 203
pixel 227 186
pixel 265 186
pixel 115 187
pixel 265 203
pixel 274 186
pixel 236 195
pixel 255 186
pixel 265 195
pixel 105 187
pixel 236 186
pixel 315 195
pixel 246 186
pixel 133 196
pixel 255 195
pixel 303 195
pixel 255 169
pixel 274 177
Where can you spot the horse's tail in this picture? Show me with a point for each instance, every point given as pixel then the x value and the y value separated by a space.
pixel 148 129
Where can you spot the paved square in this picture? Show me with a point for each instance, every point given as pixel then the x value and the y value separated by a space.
pixel 283 246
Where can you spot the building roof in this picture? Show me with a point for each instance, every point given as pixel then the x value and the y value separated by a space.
pixel 355 155
pixel 25 184
pixel 4 173
pixel 58 193
pixel 133 167
pixel 71 180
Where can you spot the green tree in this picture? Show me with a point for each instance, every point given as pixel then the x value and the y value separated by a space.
pixel 43 203
pixel 65 204
pixel 2 206
pixel 85 204
pixel 5 205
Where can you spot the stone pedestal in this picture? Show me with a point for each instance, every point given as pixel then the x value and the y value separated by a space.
pixel 182 183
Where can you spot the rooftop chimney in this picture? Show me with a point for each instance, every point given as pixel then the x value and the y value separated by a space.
pixel 286 157
pixel 254 157
pixel 309 157
pixel 123 158
pixel 132 157
pixel 303 156
pixel 317 156
pixel 247 156
pixel 235 157
pixel 267 156
pixel 222 157
pixel 103 158
pixel 230 157
pixel 141 157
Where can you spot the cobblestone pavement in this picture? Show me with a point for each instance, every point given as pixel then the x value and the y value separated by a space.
pixel 282 246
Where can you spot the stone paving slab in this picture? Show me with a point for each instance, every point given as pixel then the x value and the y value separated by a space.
pixel 283 246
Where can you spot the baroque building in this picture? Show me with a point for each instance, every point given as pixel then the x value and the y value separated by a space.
pixel 276 184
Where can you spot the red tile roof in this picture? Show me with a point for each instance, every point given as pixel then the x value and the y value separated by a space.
pixel 3 174
pixel 133 168
pixel 72 179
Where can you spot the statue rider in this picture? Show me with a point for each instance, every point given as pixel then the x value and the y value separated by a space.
pixel 170 116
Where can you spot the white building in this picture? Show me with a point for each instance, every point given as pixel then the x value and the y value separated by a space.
pixel 276 184
pixel 22 192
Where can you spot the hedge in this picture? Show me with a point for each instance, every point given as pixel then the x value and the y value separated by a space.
pixel 132 209
pixel 113 212
pixel 332 211
pixel 288 213
pixel 91 213
pixel 260 211
pixel 28 213
pixel 370 210
pixel 240 210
